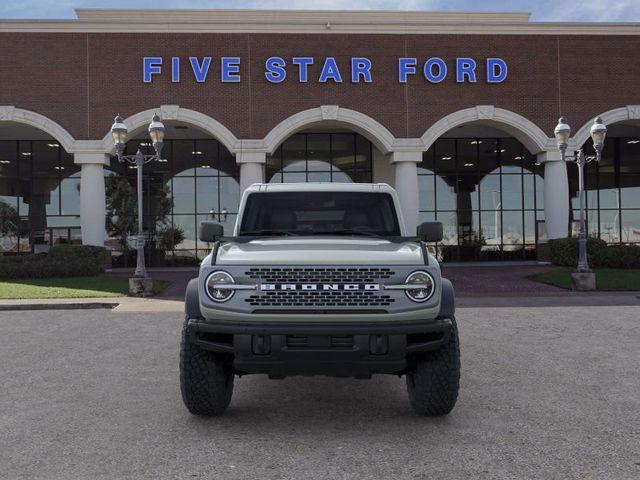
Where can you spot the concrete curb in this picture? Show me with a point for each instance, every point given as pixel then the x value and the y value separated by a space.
pixel 57 306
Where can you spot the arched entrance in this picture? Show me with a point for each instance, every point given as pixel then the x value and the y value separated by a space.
pixel 39 184
pixel 487 189
pixel 328 144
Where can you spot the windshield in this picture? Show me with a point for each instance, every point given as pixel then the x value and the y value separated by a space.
pixel 319 213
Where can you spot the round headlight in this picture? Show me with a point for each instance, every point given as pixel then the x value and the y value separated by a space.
pixel 219 294
pixel 427 286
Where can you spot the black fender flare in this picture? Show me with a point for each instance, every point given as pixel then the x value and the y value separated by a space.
pixel 447 300
pixel 192 300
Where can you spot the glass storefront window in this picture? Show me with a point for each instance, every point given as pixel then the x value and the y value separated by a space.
pixel 612 191
pixel 321 157
pixel 39 195
pixel 488 194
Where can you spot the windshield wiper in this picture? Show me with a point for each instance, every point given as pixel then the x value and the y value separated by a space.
pixel 268 231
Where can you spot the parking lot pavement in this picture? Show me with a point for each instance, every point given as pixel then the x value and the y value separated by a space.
pixel 546 393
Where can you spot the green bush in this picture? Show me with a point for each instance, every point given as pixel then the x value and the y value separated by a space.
pixel 564 251
pixel 618 256
pixel 61 261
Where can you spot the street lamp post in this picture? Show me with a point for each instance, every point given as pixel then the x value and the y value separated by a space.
pixel 562 133
pixel 119 133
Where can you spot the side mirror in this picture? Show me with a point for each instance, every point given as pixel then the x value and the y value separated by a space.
pixel 430 231
pixel 210 231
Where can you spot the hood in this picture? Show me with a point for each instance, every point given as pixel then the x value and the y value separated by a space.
pixel 319 251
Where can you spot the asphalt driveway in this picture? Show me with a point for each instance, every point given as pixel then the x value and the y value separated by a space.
pixel 546 393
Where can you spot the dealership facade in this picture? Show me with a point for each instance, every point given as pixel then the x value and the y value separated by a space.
pixel 455 110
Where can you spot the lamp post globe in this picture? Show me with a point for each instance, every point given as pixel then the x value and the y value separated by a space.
pixel 562 133
pixel 156 132
pixel 598 133
pixel 119 133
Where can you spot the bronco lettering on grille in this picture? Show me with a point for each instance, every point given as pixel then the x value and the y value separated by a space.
pixel 319 286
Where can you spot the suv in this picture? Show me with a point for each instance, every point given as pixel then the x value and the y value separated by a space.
pixel 319 279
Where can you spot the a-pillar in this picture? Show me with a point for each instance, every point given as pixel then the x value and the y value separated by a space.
pixel 92 196
pixel 406 184
pixel 251 168
pixel 556 194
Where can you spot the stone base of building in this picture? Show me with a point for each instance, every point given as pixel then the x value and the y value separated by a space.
pixel 141 287
pixel 583 281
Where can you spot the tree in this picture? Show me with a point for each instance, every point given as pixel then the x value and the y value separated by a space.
pixel 122 209
pixel 9 221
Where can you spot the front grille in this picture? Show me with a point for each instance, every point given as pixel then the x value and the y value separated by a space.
pixel 319 274
pixel 336 298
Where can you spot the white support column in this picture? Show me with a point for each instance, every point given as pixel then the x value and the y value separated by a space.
pixel 556 194
pixel 251 168
pixel 406 184
pixel 92 197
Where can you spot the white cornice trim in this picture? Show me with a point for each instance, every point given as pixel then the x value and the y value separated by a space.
pixel 303 21
pixel 297 16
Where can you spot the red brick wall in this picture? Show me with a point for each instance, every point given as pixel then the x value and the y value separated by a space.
pixel 82 80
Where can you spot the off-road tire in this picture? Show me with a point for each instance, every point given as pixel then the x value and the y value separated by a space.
pixel 206 379
pixel 434 380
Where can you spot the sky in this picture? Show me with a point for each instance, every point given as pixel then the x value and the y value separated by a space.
pixel 542 10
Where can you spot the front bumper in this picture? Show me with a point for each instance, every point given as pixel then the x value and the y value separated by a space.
pixel 331 348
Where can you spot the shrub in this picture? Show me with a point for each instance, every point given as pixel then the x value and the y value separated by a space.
pixel 61 261
pixel 564 251
pixel 169 237
pixel 618 256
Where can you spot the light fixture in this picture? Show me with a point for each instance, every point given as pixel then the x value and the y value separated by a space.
pixel 119 133
pixel 447 158
pixel 196 152
pixel 156 132
pixel 162 160
pixel 58 168
pixel 215 283
pixel 468 164
pixel 502 150
pixel 476 142
pixel 598 133
pixel 205 166
pixel 425 286
pixel 562 133
pixel 53 145
pixel 632 142
pixel 4 162
pixel 25 154
pixel 517 158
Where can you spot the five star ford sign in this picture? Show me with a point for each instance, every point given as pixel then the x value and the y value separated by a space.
pixel 361 69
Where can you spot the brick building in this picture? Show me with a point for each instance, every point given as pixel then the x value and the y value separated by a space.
pixel 456 110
